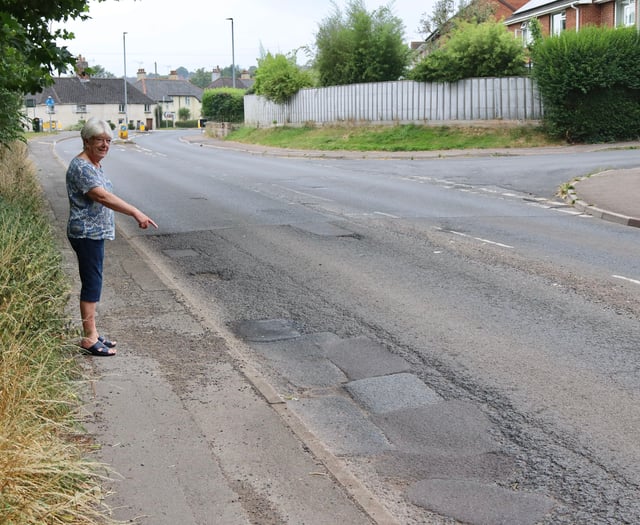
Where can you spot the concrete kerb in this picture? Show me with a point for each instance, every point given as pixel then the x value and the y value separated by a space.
pixel 572 198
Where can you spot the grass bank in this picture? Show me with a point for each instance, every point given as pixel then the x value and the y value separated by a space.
pixel 394 138
pixel 45 476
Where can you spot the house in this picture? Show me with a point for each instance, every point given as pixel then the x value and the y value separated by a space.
pixel 218 81
pixel 70 101
pixel 171 94
pixel 556 16
pixel 76 99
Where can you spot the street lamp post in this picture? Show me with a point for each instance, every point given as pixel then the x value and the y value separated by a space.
pixel 233 56
pixel 124 51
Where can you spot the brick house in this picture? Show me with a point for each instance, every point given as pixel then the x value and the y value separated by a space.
pixel 556 16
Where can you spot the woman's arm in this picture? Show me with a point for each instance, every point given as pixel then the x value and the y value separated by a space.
pixel 111 200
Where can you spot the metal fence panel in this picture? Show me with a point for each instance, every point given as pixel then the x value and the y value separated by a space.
pixel 404 101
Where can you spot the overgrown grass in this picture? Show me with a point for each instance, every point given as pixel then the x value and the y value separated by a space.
pixel 394 138
pixel 45 476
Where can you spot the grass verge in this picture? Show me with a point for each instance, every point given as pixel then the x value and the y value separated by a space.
pixel 394 138
pixel 45 476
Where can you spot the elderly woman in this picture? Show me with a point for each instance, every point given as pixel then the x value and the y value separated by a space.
pixel 91 221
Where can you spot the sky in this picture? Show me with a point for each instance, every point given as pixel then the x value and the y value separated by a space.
pixel 163 35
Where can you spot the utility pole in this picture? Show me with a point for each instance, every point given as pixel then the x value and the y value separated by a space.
pixel 124 50
pixel 233 56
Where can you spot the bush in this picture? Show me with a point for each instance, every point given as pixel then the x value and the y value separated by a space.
pixel 278 78
pixel 187 123
pixel 473 50
pixel 590 83
pixel 223 105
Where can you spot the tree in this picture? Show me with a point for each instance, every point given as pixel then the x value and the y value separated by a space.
pixel 444 17
pixel 184 113
pixel 30 53
pixel 98 71
pixel 201 78
pixel 442 12
pixel 227 71
pixel 278 78
pixel 360 46
pixel 182 72
pixel 473 50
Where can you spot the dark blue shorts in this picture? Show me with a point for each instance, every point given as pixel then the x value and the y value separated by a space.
pixel 90 257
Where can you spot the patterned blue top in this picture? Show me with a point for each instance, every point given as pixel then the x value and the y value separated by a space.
pixel 87 219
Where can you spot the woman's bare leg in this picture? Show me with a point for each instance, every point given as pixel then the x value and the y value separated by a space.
pixel 90 332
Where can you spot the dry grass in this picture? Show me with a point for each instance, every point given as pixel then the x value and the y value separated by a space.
pixel 46 476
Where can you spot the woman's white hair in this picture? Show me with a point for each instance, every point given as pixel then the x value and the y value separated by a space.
pixel 94 127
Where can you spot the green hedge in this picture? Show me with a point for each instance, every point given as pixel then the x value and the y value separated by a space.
pixel 590 84
pixel 223 104
pixel 186 123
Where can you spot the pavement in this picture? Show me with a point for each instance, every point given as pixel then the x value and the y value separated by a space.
pixel 192 431
pixel 612 195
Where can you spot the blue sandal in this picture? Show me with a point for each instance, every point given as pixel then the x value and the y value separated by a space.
pixel 106 342
pixel 99 349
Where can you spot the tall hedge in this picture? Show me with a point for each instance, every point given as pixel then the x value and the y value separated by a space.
pixel 223 104
pixel 589 81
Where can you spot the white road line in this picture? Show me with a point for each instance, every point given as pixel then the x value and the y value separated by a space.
pixel 486 241
pixel 301 193
pixel 569 211
pixel 634 281
pixel 386 214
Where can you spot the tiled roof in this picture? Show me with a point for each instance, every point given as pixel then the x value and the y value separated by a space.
pixel 73 90
pixel 227 82
pixel 165 89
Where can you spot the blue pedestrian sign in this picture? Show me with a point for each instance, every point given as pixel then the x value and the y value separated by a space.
pixel 50 104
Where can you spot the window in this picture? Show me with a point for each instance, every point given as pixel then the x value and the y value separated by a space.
pixel 625 13
pixel 120 108
pixel 558 22
pixel 527 38
pixel 81 108
pixel 147 108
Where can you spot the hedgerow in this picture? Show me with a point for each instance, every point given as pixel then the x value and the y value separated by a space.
pixel 590 83
pixel 223 104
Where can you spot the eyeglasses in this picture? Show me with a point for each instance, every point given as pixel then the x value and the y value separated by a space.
pixel 101 140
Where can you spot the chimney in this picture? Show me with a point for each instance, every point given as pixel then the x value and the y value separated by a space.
pixel 245 75
pixel 81 66
pixel 215 74
pixel 173 75
pixel 141 74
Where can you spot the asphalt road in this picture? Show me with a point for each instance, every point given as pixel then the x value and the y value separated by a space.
pixel 447 327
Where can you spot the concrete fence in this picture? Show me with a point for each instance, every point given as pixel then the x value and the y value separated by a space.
pixel 404 101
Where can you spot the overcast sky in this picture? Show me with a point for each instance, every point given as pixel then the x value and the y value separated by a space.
pixel 165 34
